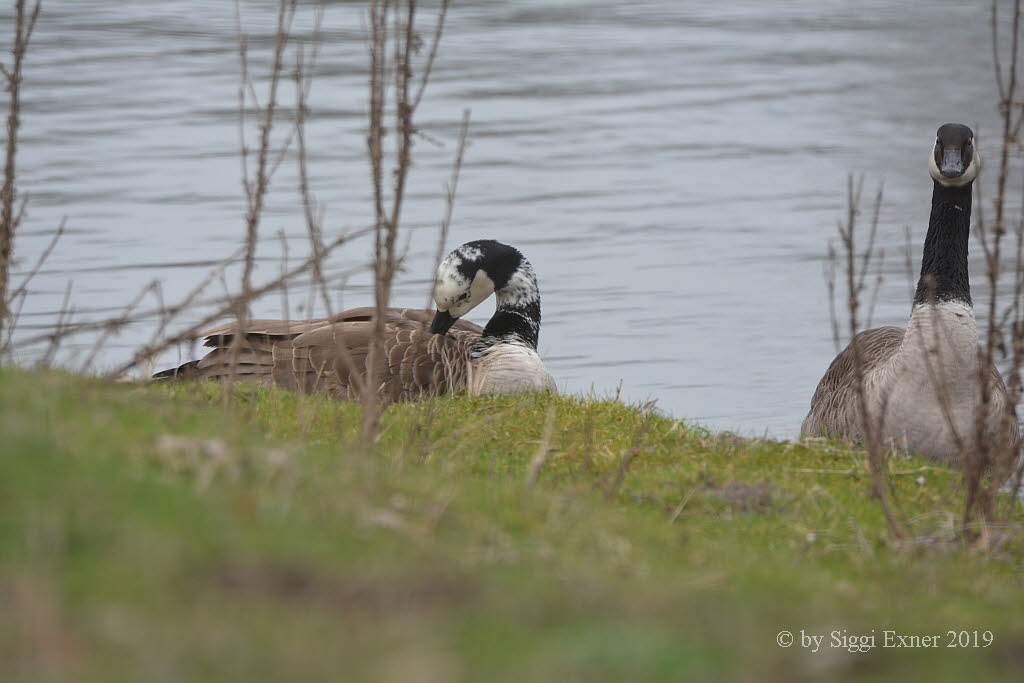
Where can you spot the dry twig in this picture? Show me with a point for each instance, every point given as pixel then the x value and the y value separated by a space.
pixel 24 23
pixel 393 41
pixel 871 425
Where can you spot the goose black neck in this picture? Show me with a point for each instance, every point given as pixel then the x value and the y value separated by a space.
pixel 944 264
pixel 517 322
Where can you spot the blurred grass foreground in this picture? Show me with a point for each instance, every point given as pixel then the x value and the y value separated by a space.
pixel 167 533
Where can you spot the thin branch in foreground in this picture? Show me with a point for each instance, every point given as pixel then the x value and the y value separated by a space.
pixel 116 323
pixel 257 186
pixel 627 459
pixel 21 291
pixel 434 44
pixel 871 426
pixel 449 201
pixel 302 77
pixel 392 43
pixel 65 312
pixel 24 23
pixel 543 449
pixel 162 311
pixel 991 461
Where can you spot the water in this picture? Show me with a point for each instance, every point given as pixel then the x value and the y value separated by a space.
pixel 673 170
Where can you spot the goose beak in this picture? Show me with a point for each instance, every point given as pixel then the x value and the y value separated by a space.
pixel 952 163
pixel 442 322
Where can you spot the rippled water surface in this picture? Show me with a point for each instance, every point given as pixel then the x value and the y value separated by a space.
pixel 674 170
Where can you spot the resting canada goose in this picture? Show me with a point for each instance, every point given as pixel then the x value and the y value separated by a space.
pixel 925 377
pixel 425 353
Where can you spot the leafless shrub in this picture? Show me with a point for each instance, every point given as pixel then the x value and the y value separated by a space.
pixel 990 462
pixel 11 212
pixel 398 79
pixel 256 183
pixel 393 44
pixel 302 76
pixel 442 234
pixel 854 263
pixel 449 200
pixel 20 293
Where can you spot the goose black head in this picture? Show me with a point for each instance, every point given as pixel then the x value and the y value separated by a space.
pixel 468 276
pixel 954 162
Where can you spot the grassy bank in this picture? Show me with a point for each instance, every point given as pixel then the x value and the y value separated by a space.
pixel 152 532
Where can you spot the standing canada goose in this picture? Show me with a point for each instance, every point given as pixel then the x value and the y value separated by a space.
pixel 425 353
pixel 925 378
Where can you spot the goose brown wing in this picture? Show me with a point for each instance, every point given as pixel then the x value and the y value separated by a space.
pixel 834 408
pixel 252 360
pixel 415 363
pixel 330 354
pixel 278 330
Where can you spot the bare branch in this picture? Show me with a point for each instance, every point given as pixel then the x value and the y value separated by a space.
pixel 449 204
pixel 393 41
pixel 872 426
pixel 429 67
pixel 260 183
pixel 43 257
pixel 543 449
pixel 115 324
pixel 9 218
pixel 64 313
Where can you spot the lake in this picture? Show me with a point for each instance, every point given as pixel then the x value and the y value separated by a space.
pixel 673 170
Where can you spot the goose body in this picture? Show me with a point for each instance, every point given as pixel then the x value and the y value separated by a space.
pixel 426 352
pixel 923 380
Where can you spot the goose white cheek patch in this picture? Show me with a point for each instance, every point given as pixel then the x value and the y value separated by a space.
pixel 451 290
pixel 481 288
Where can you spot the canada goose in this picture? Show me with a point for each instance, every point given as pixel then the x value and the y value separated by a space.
pixel 426 352
pixel 924 378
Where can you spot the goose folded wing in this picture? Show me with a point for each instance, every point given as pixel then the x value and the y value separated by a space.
pixel 834 407
pixel 333 358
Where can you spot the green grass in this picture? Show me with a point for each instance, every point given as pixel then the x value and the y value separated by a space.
pixel 161 533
